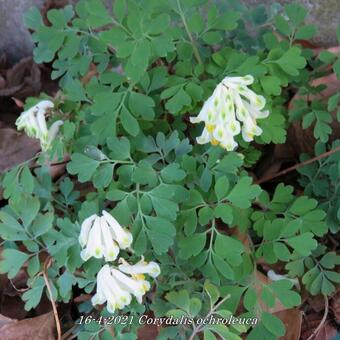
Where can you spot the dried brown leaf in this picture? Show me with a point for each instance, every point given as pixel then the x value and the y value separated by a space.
pixel 148 331
pixel 2 82
pixel 316 303
pixel 335 306
pixel 22 80
pixel 261 280
pixel 39 328
pixel 292 318
pixel 4 320
pixel 327 332
pixel 15 148
pixel 19 103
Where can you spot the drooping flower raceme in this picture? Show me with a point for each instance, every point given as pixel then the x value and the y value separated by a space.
pixel 116 288
pixel 142 267
pixel 231 104
pixel 33 122
pixel 109 290
pixel 102 237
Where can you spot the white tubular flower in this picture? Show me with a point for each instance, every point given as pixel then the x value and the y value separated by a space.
pixel 142 267
pixel 47 139
pixel 234 81
pixel 94 244
pixel 85 230
pixel 121 235
pixel 111 249
pixel 250 129
pixel 96 239
pixel 136 287
pixel 33 122
pixel 231 103
pixel 109 290
pixel 28 120
pixel 277 277
pixel 102 237
pixel 42 123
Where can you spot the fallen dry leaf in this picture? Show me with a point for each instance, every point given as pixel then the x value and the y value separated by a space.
pixel 39 328
pixel 263 279
pixel 148 331
pixel 335 306
pixel 292 318
pixel 19 103
pixel 316 303
pixel 327 332
pixel 4 320
pixel 21 80
pixel 15 148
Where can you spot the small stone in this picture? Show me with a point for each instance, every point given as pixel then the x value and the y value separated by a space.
pixel 15 39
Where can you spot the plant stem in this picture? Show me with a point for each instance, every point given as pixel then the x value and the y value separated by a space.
pixel 212 311
pixel 54 307
pixel 322 322
pixel 213 230
pixel 194 47
pixel 297 166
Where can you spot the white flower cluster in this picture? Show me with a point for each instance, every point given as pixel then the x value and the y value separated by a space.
pixel 231 103
pixel 33 122
pixel 103 236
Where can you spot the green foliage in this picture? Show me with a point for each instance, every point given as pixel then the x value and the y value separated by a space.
pixel 130 77
pixel 321 180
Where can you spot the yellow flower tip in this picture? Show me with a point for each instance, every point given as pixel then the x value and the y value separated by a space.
pixel 214 141
pixel 210 127
pixel 97 251
pixel 145 287
pixel 258 101
pixel 250 135
pixel 138 276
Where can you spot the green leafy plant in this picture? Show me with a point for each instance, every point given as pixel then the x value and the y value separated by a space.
pixel 130 76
